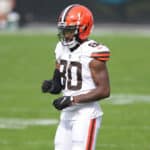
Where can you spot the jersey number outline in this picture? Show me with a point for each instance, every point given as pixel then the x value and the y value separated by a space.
pixel 66 74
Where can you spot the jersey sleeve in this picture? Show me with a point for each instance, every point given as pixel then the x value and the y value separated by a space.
pixel 100 52
pixel 58 52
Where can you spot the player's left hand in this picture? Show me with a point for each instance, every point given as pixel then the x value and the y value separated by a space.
pixel 62 102
pixel 46 86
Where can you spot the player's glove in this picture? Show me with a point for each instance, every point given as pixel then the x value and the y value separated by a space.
pixel 52 86
pixel 62 102
pixel 46 86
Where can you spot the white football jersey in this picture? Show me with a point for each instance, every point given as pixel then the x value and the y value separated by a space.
pixel 76 76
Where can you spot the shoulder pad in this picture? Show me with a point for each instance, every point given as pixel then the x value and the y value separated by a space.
pixel 99 51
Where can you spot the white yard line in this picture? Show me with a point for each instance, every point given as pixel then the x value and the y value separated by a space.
pixel 119 99
pixel 128 98
pixel 16 123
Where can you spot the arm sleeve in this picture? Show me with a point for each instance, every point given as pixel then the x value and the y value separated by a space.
pixel 58 52
pixel 56 86
pixel 101 53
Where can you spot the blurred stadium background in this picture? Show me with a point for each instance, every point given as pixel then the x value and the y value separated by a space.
pixel 105 11
pixel 127 11
pixel 27 42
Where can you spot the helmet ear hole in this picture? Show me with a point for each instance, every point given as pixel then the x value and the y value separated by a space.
pixel 84 28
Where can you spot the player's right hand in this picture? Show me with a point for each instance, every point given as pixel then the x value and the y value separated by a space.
pixel 46 86
pixel 62 102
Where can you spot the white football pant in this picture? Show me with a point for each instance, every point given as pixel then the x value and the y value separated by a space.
pixel 77 134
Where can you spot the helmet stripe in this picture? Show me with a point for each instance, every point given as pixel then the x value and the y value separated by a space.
pixel 65 12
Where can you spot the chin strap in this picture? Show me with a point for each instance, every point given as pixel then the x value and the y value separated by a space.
pixel 75 47
pixel 78 44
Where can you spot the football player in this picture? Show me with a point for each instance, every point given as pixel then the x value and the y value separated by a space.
pixel 81 75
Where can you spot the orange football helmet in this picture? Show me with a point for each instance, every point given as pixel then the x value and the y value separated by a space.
pixel 78 19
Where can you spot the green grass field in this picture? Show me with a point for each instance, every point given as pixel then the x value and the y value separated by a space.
pixel 27 59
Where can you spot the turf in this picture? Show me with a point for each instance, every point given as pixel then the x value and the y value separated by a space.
pixel 27 59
